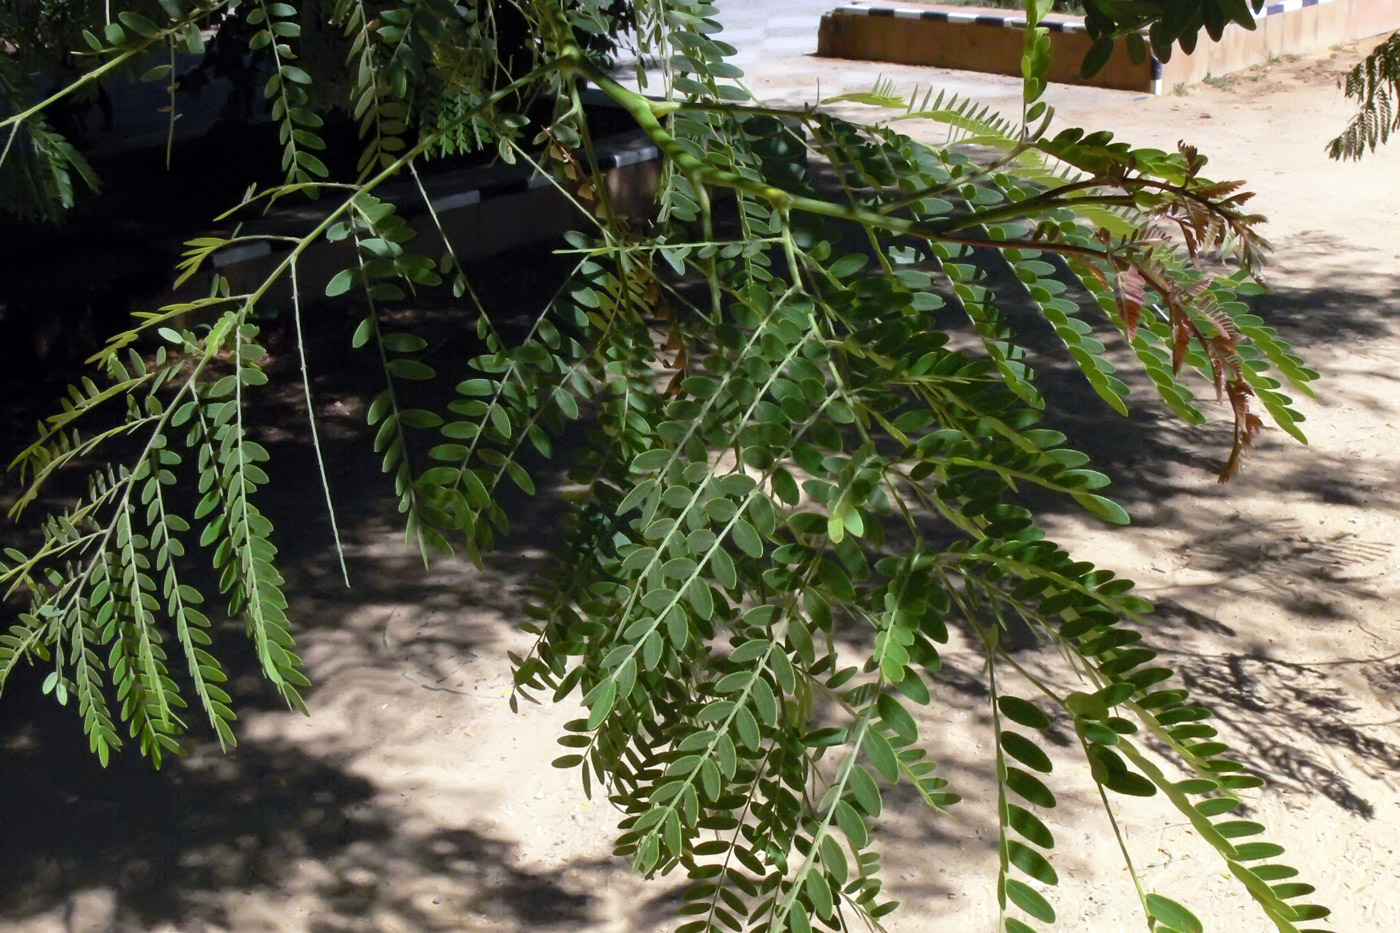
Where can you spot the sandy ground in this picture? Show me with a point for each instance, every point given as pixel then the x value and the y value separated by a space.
pixel 413 800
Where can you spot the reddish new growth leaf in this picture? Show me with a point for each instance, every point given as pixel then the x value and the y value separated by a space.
pixel 1247 427
pixel 1129 280
pixel 1211 218
pixel 1210 214
pixel 1182 331
pixel 1213 224
pixel 1219 341
pixel 1130 289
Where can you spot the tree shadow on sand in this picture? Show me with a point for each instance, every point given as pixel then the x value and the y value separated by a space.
pixel 176 847
pixel 133 849
pixel 1293 721
pixel 129 848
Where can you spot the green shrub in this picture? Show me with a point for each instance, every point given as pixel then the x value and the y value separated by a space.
pixel 774 522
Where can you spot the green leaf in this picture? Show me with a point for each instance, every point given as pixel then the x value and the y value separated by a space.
pixel 1254 851
pixel 141 25
pixel 765 702
pixel 746 538
pixel 852 825
pixel 865 790
pixel 311 163
pixel 1169 912
pixel 1029 826
pixel 402 343
pixel 636 495
pixel 567 405
pixel 1029 900
pixel 412 370
pixel 1023 713
pixel 1106 509
pixel 1233 829
pixel 1029 788
pixel 295 74
pixel 363 332
pixel 648 853
pixel 819 893
pixel 747 727
pixel 882 756
pixel 785 487
pixel 1133 785
pixel 848 265
pixel 1098 55
pixel 1086 705
pixel 834 860
pixel 601 703
pixel 1025 751
pixel 723 567
pixel 1032 863
pixel 339 284
pixel 888 101
pixel 897 719
pixel 520 477
pixel 672 833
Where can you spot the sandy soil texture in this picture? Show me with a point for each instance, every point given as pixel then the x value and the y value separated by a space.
pixel 413 800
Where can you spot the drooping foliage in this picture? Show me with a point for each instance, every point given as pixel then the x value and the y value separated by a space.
pixel 1159 25
pixel 1375 86
pixel 1169 23
pixel 801 418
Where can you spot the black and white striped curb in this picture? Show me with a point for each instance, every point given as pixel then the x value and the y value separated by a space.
pixel 471 187
pixel 620 151
pixel 1009 20
pixel 1288 6
pixel 1012 20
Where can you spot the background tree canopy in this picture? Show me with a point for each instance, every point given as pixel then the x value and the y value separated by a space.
pixel 800 427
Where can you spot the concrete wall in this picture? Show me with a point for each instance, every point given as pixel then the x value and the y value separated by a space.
pixel 1295 31
pixel 990 40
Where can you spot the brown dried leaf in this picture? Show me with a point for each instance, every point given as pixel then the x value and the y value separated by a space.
pixel 674 341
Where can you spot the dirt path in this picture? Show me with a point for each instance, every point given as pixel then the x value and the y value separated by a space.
pixel 413 800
